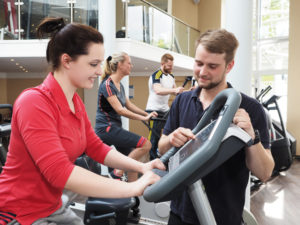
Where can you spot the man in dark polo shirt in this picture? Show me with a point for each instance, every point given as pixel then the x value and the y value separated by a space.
pixel 226 185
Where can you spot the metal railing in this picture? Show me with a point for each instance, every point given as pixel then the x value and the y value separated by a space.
pixel 136 19
pixel 19 18
pixel 142 21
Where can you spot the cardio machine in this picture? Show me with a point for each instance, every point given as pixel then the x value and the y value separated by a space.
pixel 283 144
pixel 216 142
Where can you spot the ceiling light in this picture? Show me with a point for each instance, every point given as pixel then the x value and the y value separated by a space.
pixel 17 64
pixel 12 60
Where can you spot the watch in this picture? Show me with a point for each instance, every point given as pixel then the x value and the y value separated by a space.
pixel 256 138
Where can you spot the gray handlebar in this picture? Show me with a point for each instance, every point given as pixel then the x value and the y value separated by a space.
pixel 228 96
pixel 226 103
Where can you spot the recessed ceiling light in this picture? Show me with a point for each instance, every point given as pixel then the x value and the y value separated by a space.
pixel 17 64
pixel 21 67
pixel 12 60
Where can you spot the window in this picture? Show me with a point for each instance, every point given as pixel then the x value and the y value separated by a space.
pixel 270 49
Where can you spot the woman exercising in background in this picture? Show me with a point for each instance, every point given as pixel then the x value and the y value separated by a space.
pixel 112 104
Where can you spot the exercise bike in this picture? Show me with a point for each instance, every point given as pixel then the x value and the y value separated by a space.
pixel 283 144
pixel 215 143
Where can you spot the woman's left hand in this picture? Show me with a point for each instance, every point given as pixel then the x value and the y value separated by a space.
pixel 154 164
pixel 150 115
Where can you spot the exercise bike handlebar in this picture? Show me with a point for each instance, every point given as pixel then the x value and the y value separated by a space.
pixel 158 119
pixel 263 92
pixel 227 97
pixel 226 104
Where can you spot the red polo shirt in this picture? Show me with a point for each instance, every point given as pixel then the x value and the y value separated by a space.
pixel 46 139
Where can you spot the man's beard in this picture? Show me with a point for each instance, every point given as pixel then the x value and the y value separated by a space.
pixel 166 70
pixel 212 85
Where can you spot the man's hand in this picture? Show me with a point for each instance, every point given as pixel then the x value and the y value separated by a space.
pixel 180 136
pixel 179 90
pixel 242 119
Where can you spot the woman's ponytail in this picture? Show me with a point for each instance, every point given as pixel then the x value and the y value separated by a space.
pixel 50 26
pixel 111 64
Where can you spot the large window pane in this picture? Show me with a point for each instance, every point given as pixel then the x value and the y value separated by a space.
pixel 8 20
pixel 270 49
pixel 86 12
pixel 274 56
pixel 254 58
pixel 278 82
pixel 274 20
pixel 33 11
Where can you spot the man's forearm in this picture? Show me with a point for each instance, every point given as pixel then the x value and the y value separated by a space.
pixel 164 144
pixel 260 161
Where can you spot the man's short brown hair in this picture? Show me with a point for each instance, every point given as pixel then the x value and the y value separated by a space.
pixel 219 41
pixel 166 57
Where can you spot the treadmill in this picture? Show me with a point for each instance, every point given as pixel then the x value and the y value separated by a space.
pixel 216 141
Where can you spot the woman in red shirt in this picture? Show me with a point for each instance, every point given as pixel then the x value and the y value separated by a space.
pixel 50 129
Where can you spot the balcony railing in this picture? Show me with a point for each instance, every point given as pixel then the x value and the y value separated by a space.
pixel 136 19
pixel 19 18
pixel 142 21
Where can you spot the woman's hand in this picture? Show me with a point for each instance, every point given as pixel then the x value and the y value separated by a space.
pixel 154 164
pixel 144 181
pixel 152 114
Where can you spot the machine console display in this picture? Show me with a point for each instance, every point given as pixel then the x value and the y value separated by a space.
pixel 191 146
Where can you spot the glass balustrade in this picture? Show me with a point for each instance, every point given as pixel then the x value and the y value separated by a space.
pixel 19 19
pixel 136 19
pixel 139 20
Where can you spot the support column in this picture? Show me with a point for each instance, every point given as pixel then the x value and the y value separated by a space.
pixel 107 26
pixel 237 18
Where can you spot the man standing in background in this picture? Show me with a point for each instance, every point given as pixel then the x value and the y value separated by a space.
pixel 161 85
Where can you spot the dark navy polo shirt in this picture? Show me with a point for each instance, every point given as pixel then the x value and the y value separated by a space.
pixel 226 185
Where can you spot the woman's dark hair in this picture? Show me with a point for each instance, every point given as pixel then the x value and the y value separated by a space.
pixel 72 39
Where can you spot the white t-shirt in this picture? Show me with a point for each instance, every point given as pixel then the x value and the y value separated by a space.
pixel 159 102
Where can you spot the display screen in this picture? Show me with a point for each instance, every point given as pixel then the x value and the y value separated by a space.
pixel 192 146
